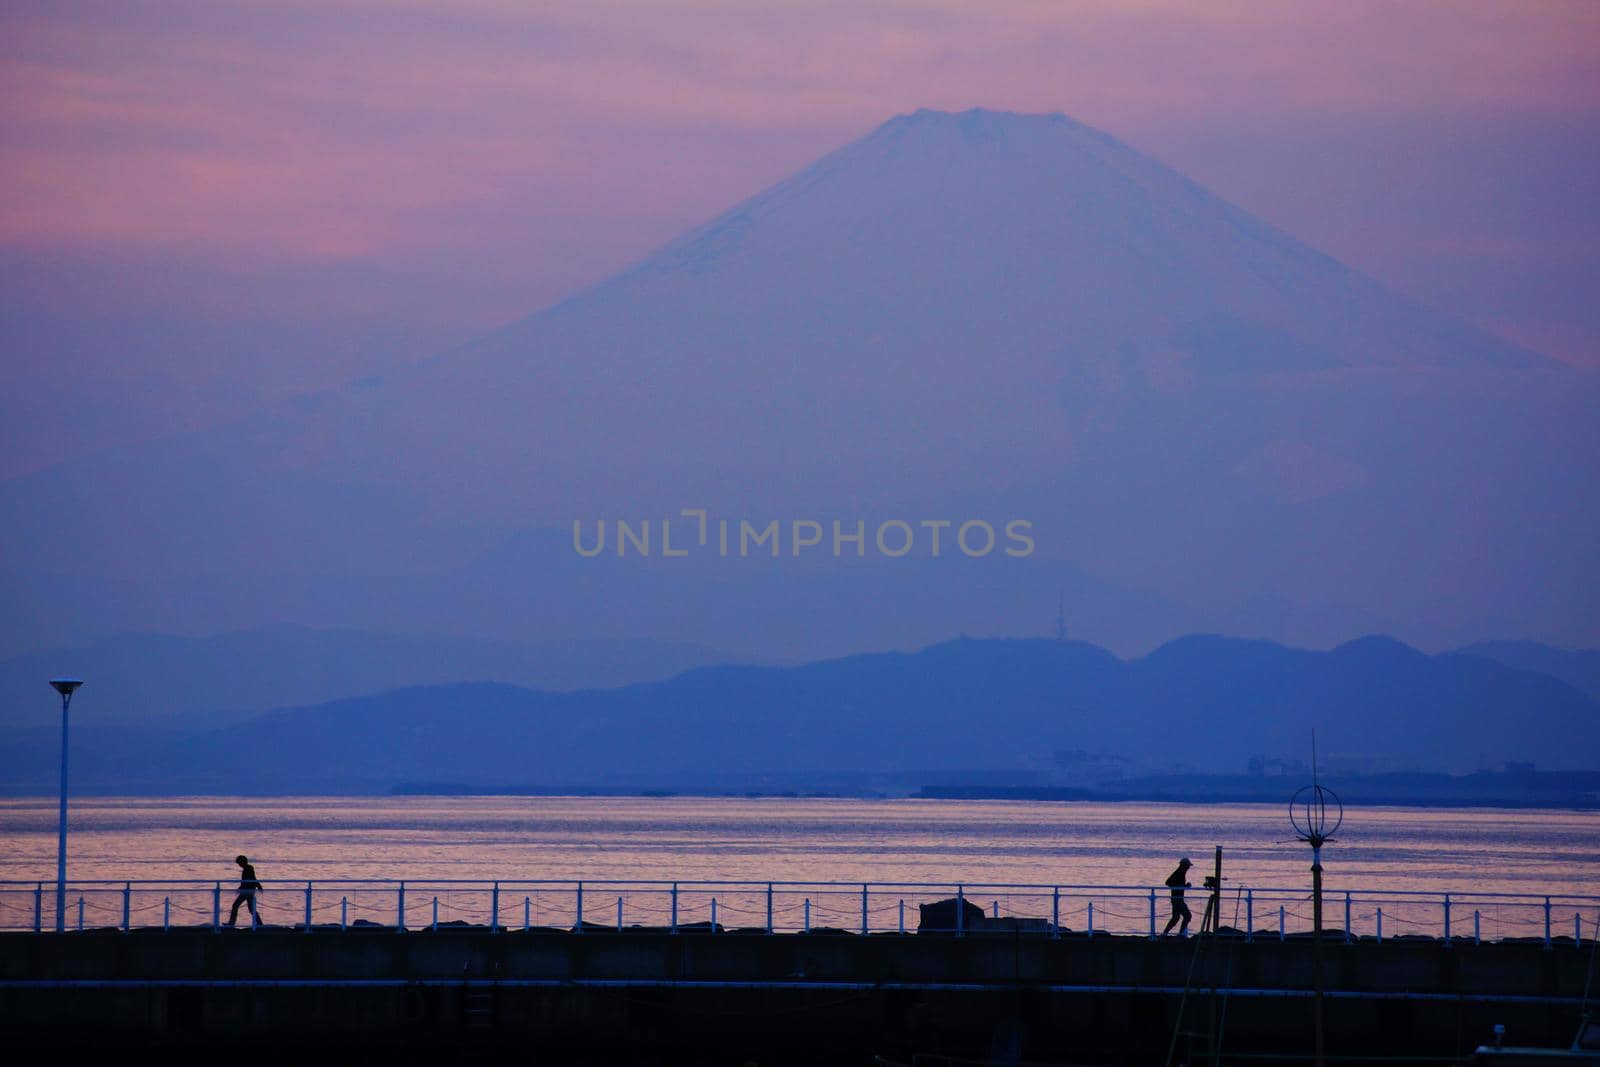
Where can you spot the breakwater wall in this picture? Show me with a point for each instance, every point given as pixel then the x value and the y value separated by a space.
pixel 652 996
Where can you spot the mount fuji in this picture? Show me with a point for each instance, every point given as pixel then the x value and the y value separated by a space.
pixel 1208 425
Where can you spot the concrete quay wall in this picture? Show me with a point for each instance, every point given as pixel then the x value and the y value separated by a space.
pixel 654 996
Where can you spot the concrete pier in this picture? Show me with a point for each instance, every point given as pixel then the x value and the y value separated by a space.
pixel 651 996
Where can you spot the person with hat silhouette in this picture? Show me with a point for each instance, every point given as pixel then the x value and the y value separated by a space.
pixel 1178 881
pixel 248 886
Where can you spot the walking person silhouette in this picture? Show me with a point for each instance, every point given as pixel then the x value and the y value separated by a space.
pixel 248 887
pixel 1178 881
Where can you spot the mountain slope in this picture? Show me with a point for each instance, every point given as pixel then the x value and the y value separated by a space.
pixel 160 680
pixel 1578 667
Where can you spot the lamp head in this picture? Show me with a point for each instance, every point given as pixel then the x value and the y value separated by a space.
pixel 1316 813
pixel 65 686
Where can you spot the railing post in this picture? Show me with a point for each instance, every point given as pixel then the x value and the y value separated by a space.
pixel 1347 916
pixel 400 908
pixel 864 920
pixel 769 907
pixel 1577 931
pixel 1477 931
pixel 216 907
pixel 578 927
pixel 1447 920
pixel 38 906
pixel 674 907
pixel 1090 931
pixel 435 923
pixel 808 914
pixel 127 892
pixel 902 915
pixel 1546 922
pixel 344 913
pixel 619 915
pixel 80 913
pixel 1249 915
pixel 527 913
pixel 166 914
pixel 494 908
pixel 1380 926
pixel 1055 911
pixel 961 911
pixel 1281 934
pixel 713 914
pixel 308 907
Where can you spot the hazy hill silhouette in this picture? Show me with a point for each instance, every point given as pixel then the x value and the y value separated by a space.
pixel 1205 703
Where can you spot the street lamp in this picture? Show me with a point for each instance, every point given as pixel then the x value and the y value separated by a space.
pixel 66 687
pixel 1316 814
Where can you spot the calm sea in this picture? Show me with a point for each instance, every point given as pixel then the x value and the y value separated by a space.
pixel 1437 850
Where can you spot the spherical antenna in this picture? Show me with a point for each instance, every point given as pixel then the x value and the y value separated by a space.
pixel 1316 813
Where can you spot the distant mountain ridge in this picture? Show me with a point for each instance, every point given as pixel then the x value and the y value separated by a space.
pixel 1198 704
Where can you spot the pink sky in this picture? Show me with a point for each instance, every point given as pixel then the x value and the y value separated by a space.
pixel 209 205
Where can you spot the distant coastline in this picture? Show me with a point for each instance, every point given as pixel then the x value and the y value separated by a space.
pixel 1578 790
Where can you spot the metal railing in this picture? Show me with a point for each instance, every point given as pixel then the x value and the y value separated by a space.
pixel 1254 913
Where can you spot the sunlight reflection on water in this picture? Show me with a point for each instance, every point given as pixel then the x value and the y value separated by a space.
pixel 783 839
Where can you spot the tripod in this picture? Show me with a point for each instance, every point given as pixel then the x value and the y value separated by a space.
pixel 1211 920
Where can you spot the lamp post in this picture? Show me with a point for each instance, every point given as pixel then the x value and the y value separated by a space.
pixel 66 687
pixel 1309 814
